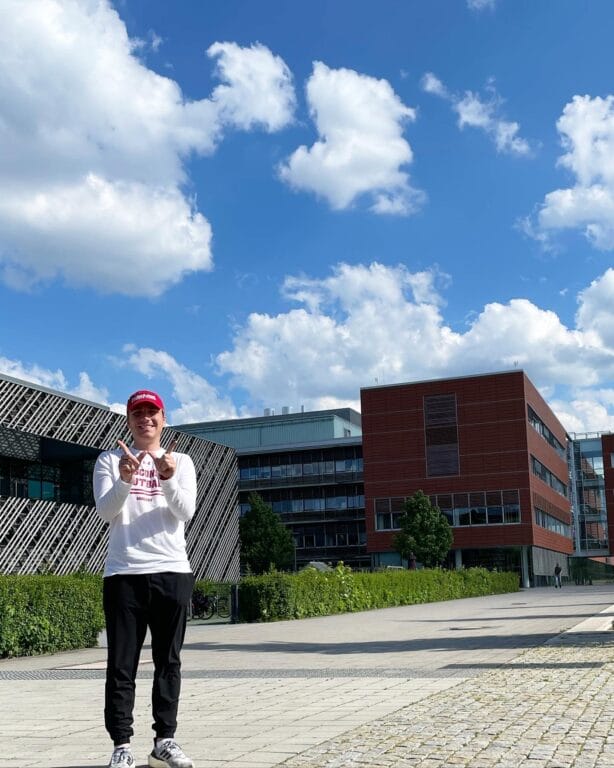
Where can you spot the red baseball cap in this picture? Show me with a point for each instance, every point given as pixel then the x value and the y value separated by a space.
pixel 144 397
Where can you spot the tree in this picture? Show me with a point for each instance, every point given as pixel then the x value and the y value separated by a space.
pixel 265 542
pixel 425 533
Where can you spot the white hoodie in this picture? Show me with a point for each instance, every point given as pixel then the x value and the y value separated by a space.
pixel 146 516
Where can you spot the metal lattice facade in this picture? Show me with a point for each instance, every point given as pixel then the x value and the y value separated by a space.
pixel 62 537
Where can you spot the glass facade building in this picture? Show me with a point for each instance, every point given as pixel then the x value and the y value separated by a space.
pixel 308 468
pixel 587 476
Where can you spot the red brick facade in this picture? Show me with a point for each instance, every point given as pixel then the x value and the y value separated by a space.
pixel 495 444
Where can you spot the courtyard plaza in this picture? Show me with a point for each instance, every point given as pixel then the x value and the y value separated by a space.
pixel 522 679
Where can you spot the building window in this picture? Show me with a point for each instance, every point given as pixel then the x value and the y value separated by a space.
pixel 539 426
pixel 548 477
pixel 441 435
pixel 550 523
pixel 388 512
pixel 460 509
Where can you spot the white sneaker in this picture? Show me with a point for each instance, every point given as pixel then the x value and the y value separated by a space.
pixel 168 754
pixel 122 758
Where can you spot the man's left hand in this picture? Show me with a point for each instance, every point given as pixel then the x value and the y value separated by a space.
pixel 166 464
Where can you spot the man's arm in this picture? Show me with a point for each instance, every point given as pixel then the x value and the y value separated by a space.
pixel 180 489
pixel 110 491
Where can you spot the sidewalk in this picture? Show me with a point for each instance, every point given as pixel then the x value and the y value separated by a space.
pixel 479 683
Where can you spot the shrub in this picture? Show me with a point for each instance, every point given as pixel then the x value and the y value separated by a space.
pixel 46 613
pixel 314 593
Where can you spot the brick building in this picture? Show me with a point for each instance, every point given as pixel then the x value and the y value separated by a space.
pixel 491 455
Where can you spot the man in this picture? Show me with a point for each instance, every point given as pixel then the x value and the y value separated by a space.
pixel 146 494
pixel 557 576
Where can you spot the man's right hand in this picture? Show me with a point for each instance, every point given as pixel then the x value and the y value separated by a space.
pixel 129 463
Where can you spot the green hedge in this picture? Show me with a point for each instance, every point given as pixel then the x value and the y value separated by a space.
pixel 276 596
pixel 47 613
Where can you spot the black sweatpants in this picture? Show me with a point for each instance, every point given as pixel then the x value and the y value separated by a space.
pixel 131 604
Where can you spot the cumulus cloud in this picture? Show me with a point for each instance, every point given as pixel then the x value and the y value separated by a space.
pixel 586 410
pixel 257 87
pixel 92 172
pixel 361 150
pixel 106 233
pixel 375 324
pixel 596 310
pixel 586 128
pixel 477 112
pixel 368 324
pixel 199 400
pixel 44 377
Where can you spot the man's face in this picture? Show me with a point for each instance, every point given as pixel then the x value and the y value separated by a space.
pixel 145 423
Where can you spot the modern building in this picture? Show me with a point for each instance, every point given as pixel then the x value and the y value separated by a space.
pixel 590 515
pixel 308 467
pixel 489 452
pixel 607 446
pixel 519 493
pixel 49 442
pixel 591 470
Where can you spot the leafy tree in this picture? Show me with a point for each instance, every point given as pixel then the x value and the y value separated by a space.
pixel 425 533
pixel 266 543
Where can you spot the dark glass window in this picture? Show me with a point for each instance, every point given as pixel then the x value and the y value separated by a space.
pixel 441 435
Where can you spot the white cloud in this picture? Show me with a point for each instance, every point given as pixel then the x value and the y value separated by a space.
pixel 361 149
pixel 377 324
pixel 92 140
pixel 475 112
pixel 33 373
pixel 596 310
pixel 586 411
pixel 199 400
pixel 257 87
pixel 44 377
pixel 587 134
pixel 480 5
pixel 123 237
pixel 432 84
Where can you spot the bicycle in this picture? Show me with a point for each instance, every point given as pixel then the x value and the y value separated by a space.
pixel 205 606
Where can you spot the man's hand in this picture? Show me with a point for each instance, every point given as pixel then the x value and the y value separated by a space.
pixel 166 464
pixel 129 463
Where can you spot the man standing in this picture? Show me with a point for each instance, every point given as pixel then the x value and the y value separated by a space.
pixel 557 576
pixel 146 494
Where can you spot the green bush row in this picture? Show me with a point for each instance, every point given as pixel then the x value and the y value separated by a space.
pixel 47 613
pixel 276 596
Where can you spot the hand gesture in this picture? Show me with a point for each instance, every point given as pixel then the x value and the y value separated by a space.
pixel 129 463
pixel 166 464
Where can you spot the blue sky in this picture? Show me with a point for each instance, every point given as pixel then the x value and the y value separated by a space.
pixel 256 205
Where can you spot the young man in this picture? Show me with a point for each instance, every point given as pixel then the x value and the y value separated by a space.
pixel 146 494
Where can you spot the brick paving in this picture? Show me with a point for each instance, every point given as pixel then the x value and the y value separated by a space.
pixel 552 707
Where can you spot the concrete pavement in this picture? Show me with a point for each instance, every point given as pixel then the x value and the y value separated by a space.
pixel 510 680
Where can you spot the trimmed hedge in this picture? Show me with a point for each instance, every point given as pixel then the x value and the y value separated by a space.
pixel 48 613
pixel 274 596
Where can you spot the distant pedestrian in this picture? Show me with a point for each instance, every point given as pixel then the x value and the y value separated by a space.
pixel 146 494
pixel 557 576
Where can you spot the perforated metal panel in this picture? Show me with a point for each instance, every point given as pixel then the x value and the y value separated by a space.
pixel 40 535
